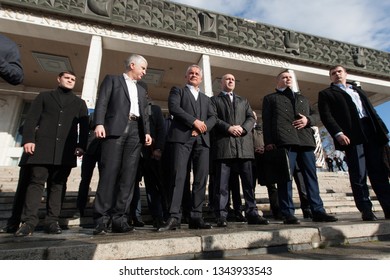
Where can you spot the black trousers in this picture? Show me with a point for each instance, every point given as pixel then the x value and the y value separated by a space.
pixel 57 175
pixel 20 195
pixel 196 153
pixel 117 175
pixel 221 188
pixel 87 167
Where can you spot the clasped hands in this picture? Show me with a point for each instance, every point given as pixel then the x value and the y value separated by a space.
pixel 199 128
pixel 236 130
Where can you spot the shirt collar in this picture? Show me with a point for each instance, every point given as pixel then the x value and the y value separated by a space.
pixel 343 87
pixel 191 87
pixel 227 93
pixel 127 78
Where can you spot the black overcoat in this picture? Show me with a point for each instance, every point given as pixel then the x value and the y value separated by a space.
pixel 227 114
pixel 56 129
pixel 339 114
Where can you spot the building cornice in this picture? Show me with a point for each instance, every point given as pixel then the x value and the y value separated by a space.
pixel 220 30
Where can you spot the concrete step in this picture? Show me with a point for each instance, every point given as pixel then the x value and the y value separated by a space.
pixel 335 192
pixel 77 243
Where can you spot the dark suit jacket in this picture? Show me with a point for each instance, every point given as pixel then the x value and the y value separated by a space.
pixel 339 114
pixel 53 127
pixel 11 68
pixel 113 107
pixel 226 145
pixel 181 105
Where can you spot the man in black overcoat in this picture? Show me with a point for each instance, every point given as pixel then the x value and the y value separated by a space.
pixel 54 134
pixel 234 151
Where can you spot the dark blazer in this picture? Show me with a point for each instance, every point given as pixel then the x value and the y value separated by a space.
pixel 339 114
pixel 181 105
pixel 157 126
pixel 11 68
pixel 226 145
pixel 279 113
pixel 113 107
pixel 53 127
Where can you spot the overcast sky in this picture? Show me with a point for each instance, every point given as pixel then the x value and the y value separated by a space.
pixel 362 22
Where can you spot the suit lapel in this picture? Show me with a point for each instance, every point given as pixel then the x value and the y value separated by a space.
pixel 140 96
pixel 125 89
pixel 228 106
pixel 191 97
pixel 67 101
pixel 54 95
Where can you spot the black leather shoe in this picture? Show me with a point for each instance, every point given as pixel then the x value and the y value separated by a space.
pixel 53 228
pixel 9 229
pixel 24 230
pixel 158 222
pixel 221 222
pixel 278 216
pixel 171 224
pixel 291 220
pixel 138 222
pixel 124 227
pixel 198 224
pixel 100 229
pixel 387 215
pixel 239 217
pixel 323 217
pixel 369 216
pixel 257 220
pixel 307 214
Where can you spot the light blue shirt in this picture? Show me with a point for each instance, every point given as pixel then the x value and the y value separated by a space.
pixel 355 98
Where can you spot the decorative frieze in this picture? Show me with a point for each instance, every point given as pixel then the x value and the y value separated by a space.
pixel 229 32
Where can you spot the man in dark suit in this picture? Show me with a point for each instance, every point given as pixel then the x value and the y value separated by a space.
pixel 234 151
pixel 189 135
pixel 122 123
pixel 51 141
pixel 357 129
pixel 151 169
pixel 287 121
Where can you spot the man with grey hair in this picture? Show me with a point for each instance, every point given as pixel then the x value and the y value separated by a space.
pixel 122 123
pixel 189 135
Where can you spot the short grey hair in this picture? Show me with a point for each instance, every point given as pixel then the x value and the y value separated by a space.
pixel 136 59
pixel 194 66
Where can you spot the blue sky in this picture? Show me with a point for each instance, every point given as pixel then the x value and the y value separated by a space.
pixel 361 22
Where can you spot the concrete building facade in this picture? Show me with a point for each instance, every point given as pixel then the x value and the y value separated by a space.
pixel 93 38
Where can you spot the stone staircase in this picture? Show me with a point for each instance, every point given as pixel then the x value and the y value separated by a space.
pixel 334 188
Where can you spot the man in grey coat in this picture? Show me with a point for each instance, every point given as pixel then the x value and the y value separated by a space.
pixel 234 150
pixel 54 134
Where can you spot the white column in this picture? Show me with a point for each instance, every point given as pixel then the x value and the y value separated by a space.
pixel 92 72
pixel 206 86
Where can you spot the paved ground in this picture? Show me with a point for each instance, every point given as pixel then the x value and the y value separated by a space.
pixel 237 241
pixel 373 250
